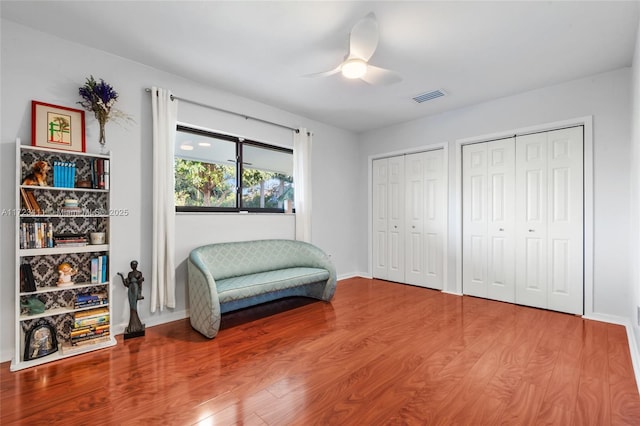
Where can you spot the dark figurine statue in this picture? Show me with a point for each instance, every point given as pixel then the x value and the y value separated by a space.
pixel 133 282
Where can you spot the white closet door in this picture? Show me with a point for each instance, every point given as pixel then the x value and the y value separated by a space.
pixel 396 212
pixel 488 220
pixel 549 220
pixel 380 191
pixel 565 224
pixel 415 257
pixel 435 221
pixel 501 220
pixel 409 218
pixel 474 222
pixel 425 218
pixel 531 213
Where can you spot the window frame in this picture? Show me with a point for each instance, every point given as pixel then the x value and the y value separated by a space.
pixel 239 142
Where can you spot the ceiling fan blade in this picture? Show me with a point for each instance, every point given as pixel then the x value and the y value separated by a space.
pixel 380 77
pixel 324 73
pixel 364 37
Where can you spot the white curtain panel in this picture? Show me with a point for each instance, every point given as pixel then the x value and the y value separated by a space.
pixel 163 274
pixel 302 182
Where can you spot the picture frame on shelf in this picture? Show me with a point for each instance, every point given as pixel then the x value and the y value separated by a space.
pixel 57 127
pixel 40 340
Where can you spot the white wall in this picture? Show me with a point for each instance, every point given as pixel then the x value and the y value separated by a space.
pixel 32 69
pixel 606 97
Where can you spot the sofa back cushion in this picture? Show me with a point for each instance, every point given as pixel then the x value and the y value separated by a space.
pixel 226 260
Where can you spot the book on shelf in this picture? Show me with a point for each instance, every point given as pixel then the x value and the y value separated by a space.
pixel 36 234
pixel 104 268
pixel 70 240
pixel 25 200
pixel 86 328
pixel 91 303
pixel 99 268
pixel 94 270
pixel 29 201
pixel 85 297
pixel 85 300
pixel 93 341
pixel 26 278
pixel 91 332
pixel 68 349
pixel 64 174
pixel 102 319
pixel 106 173
pixel 91 313
pixel 100 173
pixel 83 322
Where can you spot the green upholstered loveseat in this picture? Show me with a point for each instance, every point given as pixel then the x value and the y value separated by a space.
pixel 225 277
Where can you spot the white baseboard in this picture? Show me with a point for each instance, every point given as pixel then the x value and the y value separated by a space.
pixel 353 275
pixel 153 321
pixel 635 355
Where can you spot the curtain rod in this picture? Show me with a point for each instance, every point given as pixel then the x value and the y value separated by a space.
pixel 246 117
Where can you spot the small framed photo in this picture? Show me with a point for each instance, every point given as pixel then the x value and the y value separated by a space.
pixel 57 127
pixel 40 340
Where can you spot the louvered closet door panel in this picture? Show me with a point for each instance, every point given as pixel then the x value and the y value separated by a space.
pixel 474 219
pixel 396 213
pixel 565 220
pixel 415 257
pixel 435 221
pixel 380 191
pixel 531 218
pixel 501 220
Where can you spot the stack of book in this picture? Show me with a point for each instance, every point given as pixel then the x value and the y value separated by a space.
pixel 87 300
pixel 64 174
pixel 70 240
pixel 90 326
pixel 36 234
pixel 70 207
pixel 99 269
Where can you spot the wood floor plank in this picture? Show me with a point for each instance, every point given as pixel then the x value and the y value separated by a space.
pixel 380 353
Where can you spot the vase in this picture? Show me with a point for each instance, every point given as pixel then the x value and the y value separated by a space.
pixel 103 139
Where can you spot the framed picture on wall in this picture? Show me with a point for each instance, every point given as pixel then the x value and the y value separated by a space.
pixel 57 127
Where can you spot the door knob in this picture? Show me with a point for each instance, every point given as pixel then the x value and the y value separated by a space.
pixel 532 230
pixel 501 229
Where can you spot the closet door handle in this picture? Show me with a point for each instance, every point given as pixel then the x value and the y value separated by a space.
pixel 501 229
pixel 532 230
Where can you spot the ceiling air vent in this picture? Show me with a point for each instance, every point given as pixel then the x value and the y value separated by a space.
pixel 429 96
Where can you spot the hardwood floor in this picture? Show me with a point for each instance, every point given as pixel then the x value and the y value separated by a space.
pixel 379 353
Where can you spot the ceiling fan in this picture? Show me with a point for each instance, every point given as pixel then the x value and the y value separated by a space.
pixel 363 41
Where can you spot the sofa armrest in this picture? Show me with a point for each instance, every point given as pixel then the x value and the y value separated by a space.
pixel 204 304
pixel 317 258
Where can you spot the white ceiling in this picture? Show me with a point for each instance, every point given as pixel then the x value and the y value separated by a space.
pixel 474 51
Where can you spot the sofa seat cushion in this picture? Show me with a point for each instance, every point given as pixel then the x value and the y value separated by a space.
pixel 250 285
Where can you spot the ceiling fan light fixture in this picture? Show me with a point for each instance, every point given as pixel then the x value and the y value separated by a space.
pixel 354 68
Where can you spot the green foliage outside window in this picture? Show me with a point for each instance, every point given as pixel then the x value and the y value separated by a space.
pixel 204 184
pixel 200 184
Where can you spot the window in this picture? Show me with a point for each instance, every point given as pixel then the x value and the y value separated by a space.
pixel 208 167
